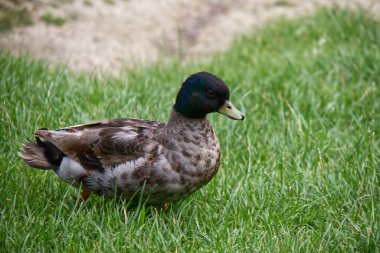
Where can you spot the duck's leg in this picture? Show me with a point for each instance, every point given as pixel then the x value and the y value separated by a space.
pixel 85 194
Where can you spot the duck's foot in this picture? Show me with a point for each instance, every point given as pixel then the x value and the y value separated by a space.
pixel 165 207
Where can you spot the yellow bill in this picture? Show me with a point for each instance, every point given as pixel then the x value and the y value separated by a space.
pixel 230 111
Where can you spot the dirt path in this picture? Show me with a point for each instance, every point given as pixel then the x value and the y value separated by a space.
pixel 107 34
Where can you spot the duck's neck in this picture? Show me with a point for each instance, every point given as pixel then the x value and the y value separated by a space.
pixel 177 120
pixel 180 128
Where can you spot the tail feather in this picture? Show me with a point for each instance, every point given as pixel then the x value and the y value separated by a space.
pixel 34 155
pixel 41 154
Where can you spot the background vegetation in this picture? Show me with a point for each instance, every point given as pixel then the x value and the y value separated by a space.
pixel 300 174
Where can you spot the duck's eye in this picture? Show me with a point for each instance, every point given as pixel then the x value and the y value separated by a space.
pixel 210 93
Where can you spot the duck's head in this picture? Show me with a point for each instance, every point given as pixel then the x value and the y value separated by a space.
pixel 203 93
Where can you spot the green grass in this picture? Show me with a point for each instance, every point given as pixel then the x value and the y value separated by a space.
pixel 11 17
pixel 51 19
pixel 300 174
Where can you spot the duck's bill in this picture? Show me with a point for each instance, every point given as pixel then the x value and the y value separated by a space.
pixel 230 111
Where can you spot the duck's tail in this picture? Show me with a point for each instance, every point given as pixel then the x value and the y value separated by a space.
pixel 41 154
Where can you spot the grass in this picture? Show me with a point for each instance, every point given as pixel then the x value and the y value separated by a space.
pixel 50 19
pixel 301 174
pixel 11 17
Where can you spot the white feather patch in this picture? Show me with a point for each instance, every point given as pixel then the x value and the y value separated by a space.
pixel 127 167
pixel 124 137
pixel 70 170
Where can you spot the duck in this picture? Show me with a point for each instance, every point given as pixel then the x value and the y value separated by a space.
pixel 153 161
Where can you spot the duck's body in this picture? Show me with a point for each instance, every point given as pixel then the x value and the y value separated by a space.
pixel 127 157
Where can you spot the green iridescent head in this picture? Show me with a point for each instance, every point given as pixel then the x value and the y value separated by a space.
pixel 204 93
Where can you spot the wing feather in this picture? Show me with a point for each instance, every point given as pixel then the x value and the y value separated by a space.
pixel 102 145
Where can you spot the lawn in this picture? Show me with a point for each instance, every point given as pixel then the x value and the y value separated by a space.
pixel 300 174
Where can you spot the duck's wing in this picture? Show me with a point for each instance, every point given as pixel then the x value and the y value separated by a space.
pixel 106 144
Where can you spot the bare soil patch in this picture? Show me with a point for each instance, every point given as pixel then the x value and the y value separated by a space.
pixel 106 35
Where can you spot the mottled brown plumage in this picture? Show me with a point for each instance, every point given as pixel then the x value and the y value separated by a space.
pixel 127 157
